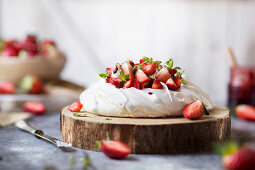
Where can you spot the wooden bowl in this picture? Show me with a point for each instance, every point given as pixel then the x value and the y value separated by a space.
pixel 14 69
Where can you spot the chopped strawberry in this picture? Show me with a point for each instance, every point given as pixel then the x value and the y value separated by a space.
pixel 172 71
pixel 163 75
pixel 128 69
pixel 138 85
pixel 10 51
pixel 245 112
pixel 128 84
pixel 243 158
pixel 149 69
pixel 177 82
pixel 31 84
pixel 171 85
pixel 194 110
pixel 110 70
pixel 75 106
pixel 157 85
pixel 7 87
pixel 115 149
pixel 142 61
pixel 141 76
pixel 131 63
pixel 34 107
pixel 114 81
pixel 48 42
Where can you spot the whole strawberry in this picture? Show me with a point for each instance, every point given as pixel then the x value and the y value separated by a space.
pixel 31 84
pixel 246 112
pixel 241 159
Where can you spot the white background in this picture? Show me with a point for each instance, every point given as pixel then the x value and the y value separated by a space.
pixel 96 34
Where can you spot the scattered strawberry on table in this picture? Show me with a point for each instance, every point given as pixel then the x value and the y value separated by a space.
pixel 145 74
pixel 246 112
pixel 34 107
pixel 195 110
pixel 30 47
pixel 31 84
pixel 236 157
pixel 7 87
pixel 75 106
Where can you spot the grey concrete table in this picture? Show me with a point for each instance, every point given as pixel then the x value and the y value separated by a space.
pixel 23 151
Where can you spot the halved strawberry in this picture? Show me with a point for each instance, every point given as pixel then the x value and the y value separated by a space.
pixel 149 69
pixel 171 85
pixel 157 85
pixel 177 82
pixel 163 75
pixel 10 51
pixel 128 84
pixel 172 71
pixel 194 110
pixel 114 81
pixel 128 69
pixel 141 76
pixel 34 107
pixel 138 85
pixel 6 87
pixel 75 106
pixel 243 158
pixel 115 149
pixel 31 84
pixel 245 112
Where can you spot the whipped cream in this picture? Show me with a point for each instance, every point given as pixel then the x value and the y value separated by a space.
pixel 105 99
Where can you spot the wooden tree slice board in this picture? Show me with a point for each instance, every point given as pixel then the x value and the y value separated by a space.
pixel 148 135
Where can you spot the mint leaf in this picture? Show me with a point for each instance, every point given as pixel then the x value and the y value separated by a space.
pixel 124 77
pixel 177 68
pixel 102 75
pixel 170 63
pixel 105 75
pixel 183 81
pixel 159 62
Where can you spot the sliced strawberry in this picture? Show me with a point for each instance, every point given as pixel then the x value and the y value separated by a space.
pixel 172 71
pixel 171 85
pixel 141 76
pixel 245 112
pixel 157 85
pixel 138 85
pixel 149 69
pixel 163 75
pixel 34 107
pixel 128 84
pixel 142 61
pixel 10 51
pixel 7 87
pixel 115 149
pixel 177 82
pixel 110 70
pixel 194 110
pixel 48 42
pixel 131 63
pixel 128 69
pixel 114 81
pixel 242 159
pixel 31 84
pixel 75 106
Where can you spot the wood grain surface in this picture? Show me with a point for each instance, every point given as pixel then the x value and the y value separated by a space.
pixel 148 135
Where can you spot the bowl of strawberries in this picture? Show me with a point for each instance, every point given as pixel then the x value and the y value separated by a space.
pixel 30 56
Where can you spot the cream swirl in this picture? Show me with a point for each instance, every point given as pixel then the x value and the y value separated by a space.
pixel 105 99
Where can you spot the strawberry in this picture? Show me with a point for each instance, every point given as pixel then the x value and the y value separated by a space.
pixel 131 63
pixel 177 82
pixel 141 76
pixel 75 106
pixel 115 149
pixel 128 84
pixel 34 107
pixel 114 81
pixel 171 85
pixel 149 69
pixel 48 42
pixel 7 87
pixel 128 69
pixel 110 70
pixel 9 51
pixel 245 112
pixel 163 75
pixel 241 159
pixel 194 110
pixel 142 61
pixel 29 46
pixel 138 85
pixel 157 85
pixel 172 71
pixel 30 39
pixel 31 84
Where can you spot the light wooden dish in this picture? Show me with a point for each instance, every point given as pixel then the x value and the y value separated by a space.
pixel 148 136
pixel 14 69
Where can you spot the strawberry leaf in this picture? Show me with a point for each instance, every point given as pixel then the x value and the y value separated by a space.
pixel 205 110
pixel 177 68
pixel 104 75
pixel 124 77
pixel 183 81
pixel 170 63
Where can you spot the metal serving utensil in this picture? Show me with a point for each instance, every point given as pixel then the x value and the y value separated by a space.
pixel 23 125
